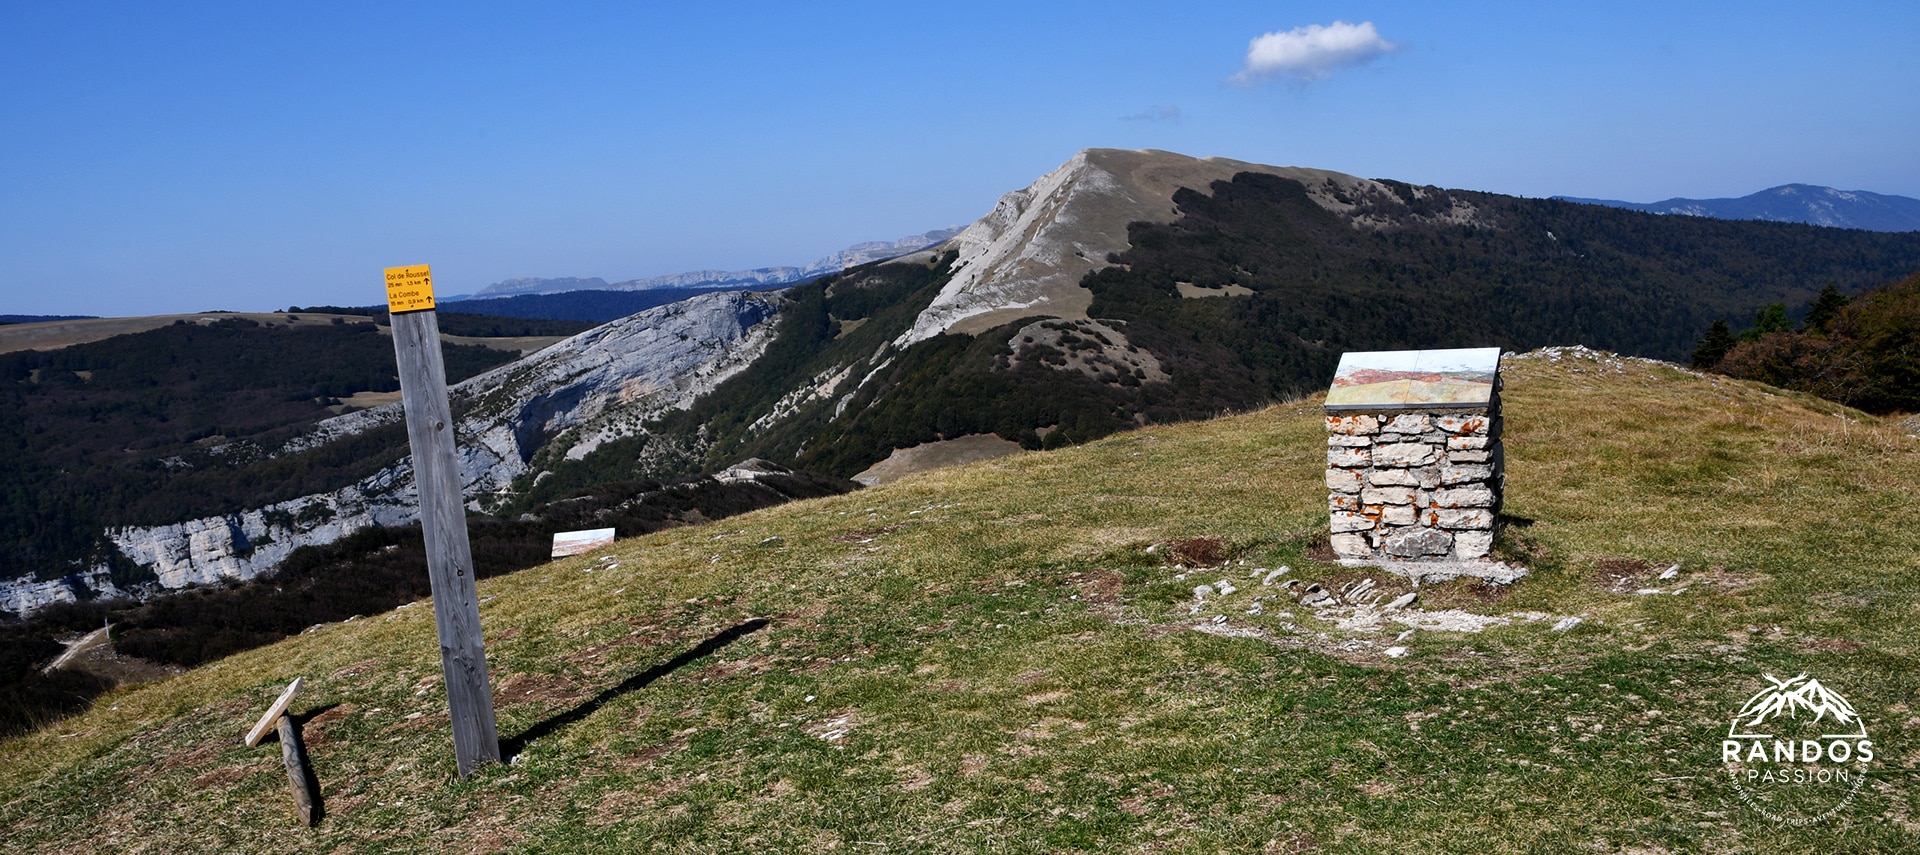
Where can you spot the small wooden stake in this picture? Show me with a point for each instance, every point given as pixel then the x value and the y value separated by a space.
pixel 294 754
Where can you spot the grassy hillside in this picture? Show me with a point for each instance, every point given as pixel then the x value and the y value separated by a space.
pixel 998 658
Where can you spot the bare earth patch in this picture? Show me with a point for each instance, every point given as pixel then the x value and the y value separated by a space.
pixel 928 456
pixel 523 688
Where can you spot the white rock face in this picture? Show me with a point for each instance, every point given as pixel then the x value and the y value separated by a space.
pixel 602 384
pixel 247 544
pixel 24 596
pixel 597 386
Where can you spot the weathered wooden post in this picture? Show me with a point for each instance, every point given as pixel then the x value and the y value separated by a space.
pixel 443 515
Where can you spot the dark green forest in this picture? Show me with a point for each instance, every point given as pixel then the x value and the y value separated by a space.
pixel 175 423
pixel 467 323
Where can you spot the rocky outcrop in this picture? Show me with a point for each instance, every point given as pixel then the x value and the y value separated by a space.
pixel 600 385
pixel 1095 348
pixel 25 596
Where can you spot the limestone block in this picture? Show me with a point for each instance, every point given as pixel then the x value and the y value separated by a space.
pixel 1465 473
pixel 1466 425
pixel 1343 502
pixel 1383 438
pixel 1405 454
pixel 1351 546
pixel 1345 480
pixel 1463 497
pixel 1341 440
pixel 1356 425
pixel 1349 458
pixel 1435 438
pixel 1461 518
pixel 1473 544
pixel 1466 443
pixel 1387 495
pixel 1397 515
pixel 1481 456
pixel 1418 542
pixel 1426 477
pixel 1349 521
pixel 1394 478
pixel 1408 423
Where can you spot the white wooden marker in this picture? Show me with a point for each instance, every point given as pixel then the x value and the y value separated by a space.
pixel 443 515
pixel 266 724
pixel 567 543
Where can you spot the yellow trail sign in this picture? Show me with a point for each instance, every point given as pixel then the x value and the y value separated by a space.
pixel 409 289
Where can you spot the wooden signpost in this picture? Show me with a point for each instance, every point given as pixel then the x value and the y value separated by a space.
pixel 443 515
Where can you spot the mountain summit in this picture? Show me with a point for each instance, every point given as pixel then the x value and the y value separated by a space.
pixel 1029 255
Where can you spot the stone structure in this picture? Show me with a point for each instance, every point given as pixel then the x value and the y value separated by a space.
pixel 1415 482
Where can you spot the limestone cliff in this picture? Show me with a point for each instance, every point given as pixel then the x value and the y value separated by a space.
pixel 596 386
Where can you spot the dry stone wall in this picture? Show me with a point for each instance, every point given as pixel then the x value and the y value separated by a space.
pixel 1414 486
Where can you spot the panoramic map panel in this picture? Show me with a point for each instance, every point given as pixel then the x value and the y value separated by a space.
pixel 1406 379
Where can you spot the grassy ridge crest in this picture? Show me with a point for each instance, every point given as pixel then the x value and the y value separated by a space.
pixel 989 658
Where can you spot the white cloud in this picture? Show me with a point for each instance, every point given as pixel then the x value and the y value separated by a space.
pixel 1312 52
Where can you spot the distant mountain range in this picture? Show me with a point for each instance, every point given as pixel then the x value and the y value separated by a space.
pixel 1792 203
pixel 34 319
pixel 755 279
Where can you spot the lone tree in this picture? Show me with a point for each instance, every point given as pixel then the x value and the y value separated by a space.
pixel 1713 346
pixel 1823 309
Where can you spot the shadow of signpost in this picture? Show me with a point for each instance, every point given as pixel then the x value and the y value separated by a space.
pixel 509 748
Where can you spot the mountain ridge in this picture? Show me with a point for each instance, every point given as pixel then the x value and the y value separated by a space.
pixel 1811 204
pixel 753 279
pixel 1029 253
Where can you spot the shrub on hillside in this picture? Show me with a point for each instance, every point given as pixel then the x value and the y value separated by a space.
pixel 1864 353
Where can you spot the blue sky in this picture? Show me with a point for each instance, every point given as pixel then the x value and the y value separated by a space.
pixel 189 156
